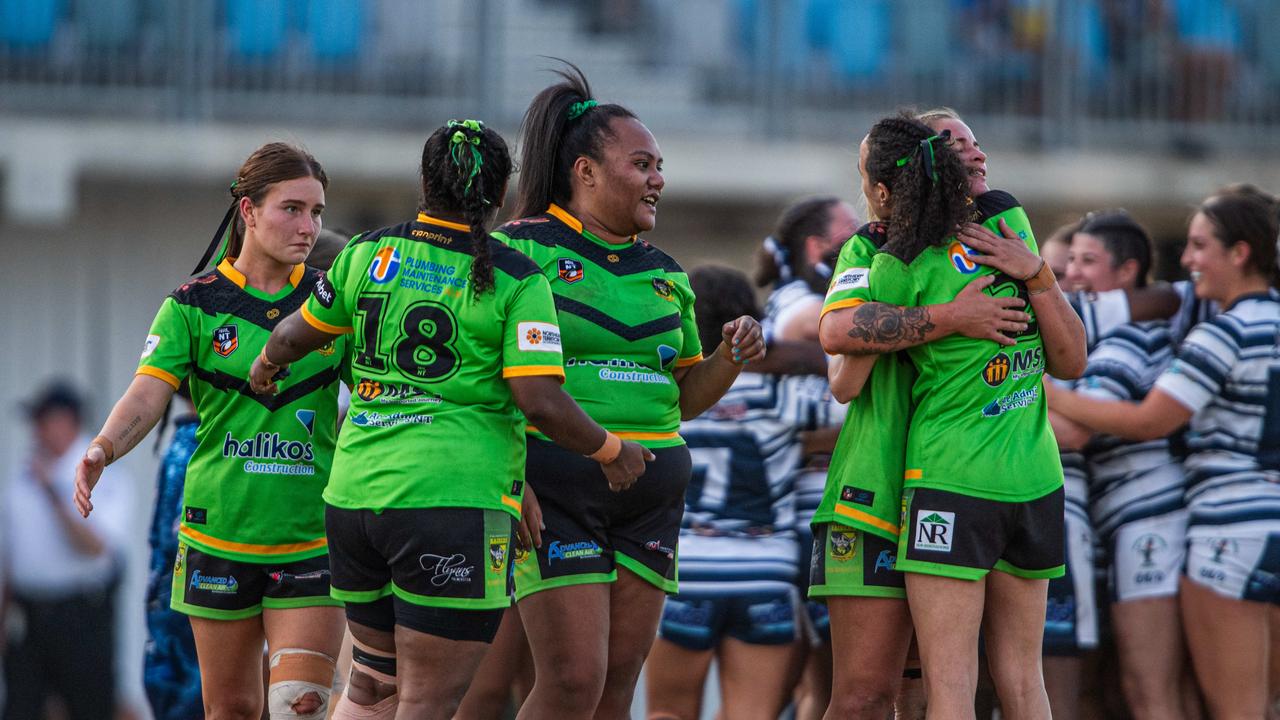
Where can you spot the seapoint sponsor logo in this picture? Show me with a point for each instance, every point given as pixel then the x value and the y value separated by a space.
pixel 572 551
pixel 1012 401
pixel 372 418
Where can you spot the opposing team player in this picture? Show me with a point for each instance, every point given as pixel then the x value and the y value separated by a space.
pixel 252 557
pixel 1225 380
pixel 966 511
pixel 454 337
pixel 591 596
pixel 738 600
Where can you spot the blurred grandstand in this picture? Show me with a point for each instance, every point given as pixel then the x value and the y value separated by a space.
pixel 122 121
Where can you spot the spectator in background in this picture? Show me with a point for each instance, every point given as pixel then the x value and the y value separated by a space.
pixel 60 571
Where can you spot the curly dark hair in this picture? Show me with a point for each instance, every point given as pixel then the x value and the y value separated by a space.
pixel 465 167
pixel 720 294
pixel 552 141
pixel 926 209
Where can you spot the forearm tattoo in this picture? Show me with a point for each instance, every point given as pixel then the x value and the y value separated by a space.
pixel 890 326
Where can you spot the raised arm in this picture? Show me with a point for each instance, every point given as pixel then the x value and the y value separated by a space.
pixel 1060 327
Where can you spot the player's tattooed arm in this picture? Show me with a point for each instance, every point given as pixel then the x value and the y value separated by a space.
pixel 885 328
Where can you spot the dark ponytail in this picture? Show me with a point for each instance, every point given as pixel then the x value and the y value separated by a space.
pixel 562 124
pixel 927 183
pixel 782 258
pixel 465 167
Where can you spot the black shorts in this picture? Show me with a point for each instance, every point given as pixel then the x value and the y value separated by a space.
pixel 591 529
pixel 457 558
pixel 961 536
pixel 213 587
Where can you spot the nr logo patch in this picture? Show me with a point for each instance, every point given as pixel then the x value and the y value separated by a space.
pixel 570 270
pixel 935 530
pixel 225 340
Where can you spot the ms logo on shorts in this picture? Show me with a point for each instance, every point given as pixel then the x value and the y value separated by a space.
pixel 959 253
pixel 385 265
pixel 935 530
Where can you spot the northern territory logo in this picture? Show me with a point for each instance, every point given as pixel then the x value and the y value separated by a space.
pixel 538 336
pixel 225 340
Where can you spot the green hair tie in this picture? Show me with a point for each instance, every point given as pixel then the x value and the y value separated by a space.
pixel 925 148
pixel 460 141
pixel 577 109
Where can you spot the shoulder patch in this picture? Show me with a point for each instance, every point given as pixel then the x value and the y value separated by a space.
pixel 512 262
pixel 993 202
pixel 876 232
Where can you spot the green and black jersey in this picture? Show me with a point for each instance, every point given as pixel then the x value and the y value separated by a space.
pixel 254 484
pixel 432 421
pixel 864 481
pixel 628 322
pixel 980 425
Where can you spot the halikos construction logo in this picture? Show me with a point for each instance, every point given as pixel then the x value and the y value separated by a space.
pixel 270 453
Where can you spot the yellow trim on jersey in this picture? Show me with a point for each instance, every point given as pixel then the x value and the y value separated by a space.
pixel 425 218
pixel 625 435
pixel 686 362
pixel 526 370
pixel 156 372
pixel 565 217
pixel 512 503
pixel 227 268
pixel 851 302
pixel 321 325
pixel 867 518
pixel 250 548
pixel 913 474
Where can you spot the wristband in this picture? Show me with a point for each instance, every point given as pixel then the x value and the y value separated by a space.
pixel 1041 280
pixel 108 448
pixel 609 450
pixel 267 361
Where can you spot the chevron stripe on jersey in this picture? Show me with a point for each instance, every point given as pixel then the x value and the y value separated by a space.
pixel 1227 372
pixel 626 317
pixel 1130 480
pixel 254 483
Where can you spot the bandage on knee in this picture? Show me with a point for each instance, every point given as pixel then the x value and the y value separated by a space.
pixel 295 673
pixel 384 709
pixel 374 663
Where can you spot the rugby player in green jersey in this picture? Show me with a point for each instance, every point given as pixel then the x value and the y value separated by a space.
pixel 454 336
pixel 252 561
pixel 591 596
pixel 990 496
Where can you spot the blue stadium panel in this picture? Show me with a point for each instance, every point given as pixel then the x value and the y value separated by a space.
pixel 28 24
pixel 256 28
pixel 335 28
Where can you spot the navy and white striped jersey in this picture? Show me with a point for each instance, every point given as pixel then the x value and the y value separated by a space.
pixel 1130 480
pixel 1227 372
pixel 784 302
pixel 1100 312
pixel 1191 312
pixel 746 449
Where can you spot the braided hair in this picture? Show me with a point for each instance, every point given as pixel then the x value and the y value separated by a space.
pixel 926 180
pixel 562 124
pixel 465 167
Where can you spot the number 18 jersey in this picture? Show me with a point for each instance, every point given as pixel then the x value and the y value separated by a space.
pixel 432 421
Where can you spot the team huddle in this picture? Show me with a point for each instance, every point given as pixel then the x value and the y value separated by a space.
pixel 549 419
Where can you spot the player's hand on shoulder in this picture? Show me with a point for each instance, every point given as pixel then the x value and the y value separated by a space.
pixel 1005 252
pixel 976 314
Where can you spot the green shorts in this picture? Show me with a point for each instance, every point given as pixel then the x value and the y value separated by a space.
pixel 444 557
pixel 208 586
pixel 961 536
pixel 848 562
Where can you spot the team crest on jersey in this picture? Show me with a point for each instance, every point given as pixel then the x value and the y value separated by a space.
pixel 996 370
pixel 326 349
pixel 844 544
pixel 498 551
pixel 225 340
pixel 385 265
pixel 570 270
pixel 663 288
pixel 959 253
